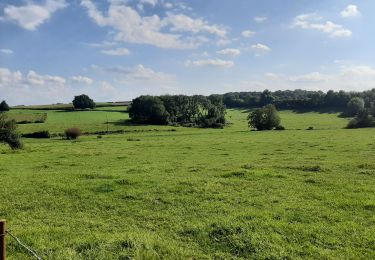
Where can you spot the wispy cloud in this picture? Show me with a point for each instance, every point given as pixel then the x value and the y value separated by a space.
pixel 6 51
pixel 247 33
pixel 116 52
pixel 229 52
pixel 260 49
pixel 314 22
pixel 31 15
pixel 210 63
pixel 260 19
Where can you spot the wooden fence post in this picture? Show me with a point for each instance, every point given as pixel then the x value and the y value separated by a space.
pixel 2 239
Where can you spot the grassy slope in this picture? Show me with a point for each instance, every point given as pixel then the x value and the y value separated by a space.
pixel 93 121
pixel 196 193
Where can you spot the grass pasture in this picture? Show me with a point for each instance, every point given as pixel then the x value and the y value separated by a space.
pixel 27 118
pixel 192 193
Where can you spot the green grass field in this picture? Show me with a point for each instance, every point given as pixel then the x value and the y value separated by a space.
pixel 192 193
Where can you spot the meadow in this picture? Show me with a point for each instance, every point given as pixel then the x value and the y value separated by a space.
pixel 161 192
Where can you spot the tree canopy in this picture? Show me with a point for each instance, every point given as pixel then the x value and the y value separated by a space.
pixel 83 102
pixel 355 105
pixel 4 106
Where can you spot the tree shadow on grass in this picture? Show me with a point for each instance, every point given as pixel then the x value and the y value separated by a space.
pixel 125 122
pixel 324 110
pixel 91 110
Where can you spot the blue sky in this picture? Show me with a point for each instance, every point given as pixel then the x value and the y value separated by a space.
pixel 51 50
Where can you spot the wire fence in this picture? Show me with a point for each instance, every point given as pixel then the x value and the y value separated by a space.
pixel 28 249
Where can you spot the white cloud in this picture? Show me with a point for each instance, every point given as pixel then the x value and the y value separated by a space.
pixel 260 49
pixel 230 52
pixel 149 2
pixel 139 73
pixel 131 27
pixel 260 19
pixel 104 44
pixel 359 71
pixel 105 86
pixel 313 21
pixel 116 52
pixel 34 78
pixel 184 23
pixel 310 77
pixel 223 42
pixel 6 51
pixel 348 77
pixel 210 63
pixel 247 33
pixel 350 11
pixel 9 78
pixel 31 16
pixel 82 79
pixel 168 5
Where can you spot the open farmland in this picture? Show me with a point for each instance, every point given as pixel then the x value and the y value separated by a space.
pixel 192 193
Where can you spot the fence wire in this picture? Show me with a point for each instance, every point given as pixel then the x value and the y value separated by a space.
pixel 29 249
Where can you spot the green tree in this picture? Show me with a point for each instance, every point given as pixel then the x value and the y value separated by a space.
pixel 83 102
pixel 355 105
pixel 266 98
pixel 4 106
pixel 148 109
pixel 265 118
pixel 8 133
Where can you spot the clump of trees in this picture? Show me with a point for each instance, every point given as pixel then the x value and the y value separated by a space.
pixel 83 102
pixel 298 99
pixel 265 118
pixel 4 106
pixel 8 133
pixel 179 110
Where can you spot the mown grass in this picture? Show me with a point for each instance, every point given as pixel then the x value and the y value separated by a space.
pixel 195 193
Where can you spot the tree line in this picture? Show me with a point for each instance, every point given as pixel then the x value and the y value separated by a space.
pixel 179 110
pixel 297 99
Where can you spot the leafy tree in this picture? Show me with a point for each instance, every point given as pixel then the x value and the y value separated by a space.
pixel 148 109
pixel 4 106
pixel 83 102
pixel 8 133
pixel 355 105
pixel 266 98
pixel 265 118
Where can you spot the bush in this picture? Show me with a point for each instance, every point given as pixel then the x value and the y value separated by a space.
pixel 362 120
pixel 40 134
pixel 72 133
pixel 265 118
pixel 83 102
pixel 310 128
pixel 8 133
pixel 280 128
